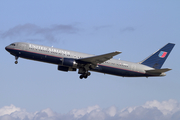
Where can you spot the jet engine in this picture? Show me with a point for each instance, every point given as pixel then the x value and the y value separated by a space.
pixel 69 62
pixel 66 69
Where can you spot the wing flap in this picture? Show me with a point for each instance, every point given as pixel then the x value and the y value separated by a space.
pixel 99 58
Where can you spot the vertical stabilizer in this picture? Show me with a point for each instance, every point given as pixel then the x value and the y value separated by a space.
pixel 157 59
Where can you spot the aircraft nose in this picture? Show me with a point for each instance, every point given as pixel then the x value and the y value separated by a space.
pixel 6 48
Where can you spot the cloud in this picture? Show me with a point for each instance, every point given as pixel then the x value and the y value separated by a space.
pixel 128 29
pixel 102 27
pixel 78 113
pixel 166 107
pixel 32 32
pixel 8 110
pixel 151 110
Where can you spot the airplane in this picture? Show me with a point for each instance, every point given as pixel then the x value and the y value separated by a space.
pixel 71 61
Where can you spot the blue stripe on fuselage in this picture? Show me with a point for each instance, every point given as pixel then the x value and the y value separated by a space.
pixel 118 71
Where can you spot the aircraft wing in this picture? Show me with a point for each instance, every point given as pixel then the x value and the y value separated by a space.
pixel 158 70
pixel 99 58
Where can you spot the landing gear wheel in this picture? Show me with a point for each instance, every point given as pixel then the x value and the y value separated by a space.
pixel 88 74
pixel 81 76
pixel 16 62
pixel 85 75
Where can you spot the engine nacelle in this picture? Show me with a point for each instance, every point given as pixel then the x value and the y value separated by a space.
pixel 69 62
pixel 66 69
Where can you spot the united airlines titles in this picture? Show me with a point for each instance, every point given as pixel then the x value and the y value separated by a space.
pixel 48 49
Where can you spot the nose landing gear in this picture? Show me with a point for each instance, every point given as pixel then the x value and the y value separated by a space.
pixel 16 62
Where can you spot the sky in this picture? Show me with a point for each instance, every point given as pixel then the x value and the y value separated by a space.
pixel 32 90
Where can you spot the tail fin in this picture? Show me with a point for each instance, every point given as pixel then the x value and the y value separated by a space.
pixel 157 59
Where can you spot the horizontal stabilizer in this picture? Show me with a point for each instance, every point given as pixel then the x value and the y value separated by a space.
pixel 158 70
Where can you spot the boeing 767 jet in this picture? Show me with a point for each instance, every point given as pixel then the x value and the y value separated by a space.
pixel 67 60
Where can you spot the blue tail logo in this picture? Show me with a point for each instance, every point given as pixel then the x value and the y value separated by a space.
pixel 162 54
pixel 157 59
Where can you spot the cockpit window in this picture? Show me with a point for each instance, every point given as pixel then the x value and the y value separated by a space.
pixel 12 44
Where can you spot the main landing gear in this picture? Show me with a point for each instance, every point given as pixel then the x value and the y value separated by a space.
pixel 84 75
pixel 84 72
pixel 16 62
